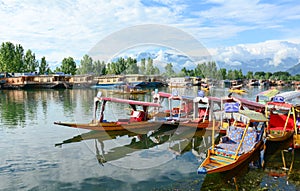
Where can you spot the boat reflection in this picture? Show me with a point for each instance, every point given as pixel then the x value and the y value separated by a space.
pixel 154 146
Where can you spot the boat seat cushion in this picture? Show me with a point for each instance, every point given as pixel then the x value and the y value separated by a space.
pixel 234 133
pixel 229 146
pixel 277 122
pixel 250 140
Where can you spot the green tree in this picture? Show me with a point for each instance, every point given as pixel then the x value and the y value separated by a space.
pixel 7 57
pixel 150 67
pixel 131 66
pixel 68 66
pixel 169 70
pixel 268 75
pixel 30 63
pixel 249 75
pixel 99 68
pixel 43 68
pixel 223 73
pixel 19 59
pixel 143 66
pixel 109 70
pixel 156 71
pixel 86 65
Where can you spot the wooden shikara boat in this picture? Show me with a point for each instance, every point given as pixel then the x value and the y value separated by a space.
pixel 189 111
pixel 243 138
pixel 282 117
pixel 138 118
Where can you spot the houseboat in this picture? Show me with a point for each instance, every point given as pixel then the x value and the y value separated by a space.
pixel 109 81
pixel 83 81
pixel 32 80
pixel 180 82
pixel 253 82
pixel 151 81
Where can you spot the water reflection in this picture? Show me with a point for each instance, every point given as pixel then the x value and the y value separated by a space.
pixel 147 148
pixel 163 159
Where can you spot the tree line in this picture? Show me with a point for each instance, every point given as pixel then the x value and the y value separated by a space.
pixel 14 59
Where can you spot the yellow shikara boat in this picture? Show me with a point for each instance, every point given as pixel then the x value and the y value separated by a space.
pixel 238 145
pixel 238 91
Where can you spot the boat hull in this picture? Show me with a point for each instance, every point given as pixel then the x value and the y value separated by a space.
pixel 296 141
pixel 120 126
pixel 211 165
pixel 112 126
pixel 276 137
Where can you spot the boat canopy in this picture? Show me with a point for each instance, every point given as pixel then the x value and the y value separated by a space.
pixel 206 99
pixel 269 93
pixel 171 96
pixel 289 95
pixel 245 102
pixel 245 116
pixel 279 106
pixel 130 102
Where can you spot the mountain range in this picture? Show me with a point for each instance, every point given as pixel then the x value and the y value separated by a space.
pixel 269 56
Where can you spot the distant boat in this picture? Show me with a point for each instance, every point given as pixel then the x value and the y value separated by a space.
pixel 144 81
pixel 83 81
pixel 34 81
pixel 253 82
pixel 237 89
pixel 180 82
pixel 109 81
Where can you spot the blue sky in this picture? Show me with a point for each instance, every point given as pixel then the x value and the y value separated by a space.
pixel 61 28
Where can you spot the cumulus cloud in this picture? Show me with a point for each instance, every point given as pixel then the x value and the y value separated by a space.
pixel 273 52
pixel 58 29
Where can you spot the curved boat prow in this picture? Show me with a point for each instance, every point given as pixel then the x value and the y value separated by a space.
pixel 64 124
pixel 201 170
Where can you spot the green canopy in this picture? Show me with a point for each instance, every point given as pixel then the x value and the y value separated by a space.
pixel 244 116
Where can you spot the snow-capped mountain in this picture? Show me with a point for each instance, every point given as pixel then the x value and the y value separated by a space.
pixel 269 56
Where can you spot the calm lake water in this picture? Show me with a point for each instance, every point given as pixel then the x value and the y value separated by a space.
pixel 38 155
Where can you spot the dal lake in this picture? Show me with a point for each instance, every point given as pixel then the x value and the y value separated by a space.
pixel 38 155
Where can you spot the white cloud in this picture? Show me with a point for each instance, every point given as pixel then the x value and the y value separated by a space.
pixel 57 29
pixel 274 51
